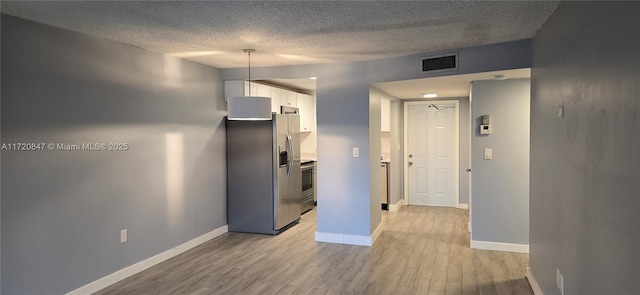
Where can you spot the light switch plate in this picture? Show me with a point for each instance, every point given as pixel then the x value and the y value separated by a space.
pixel 488 154
pixel 356 152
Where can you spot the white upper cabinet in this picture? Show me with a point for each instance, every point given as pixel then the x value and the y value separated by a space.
pixel 385 113
pixel 268 91
pixel 279 97
pixel 260 90
pixel 250 89
pixel 288 98
pixel 307 112
pixel 275 100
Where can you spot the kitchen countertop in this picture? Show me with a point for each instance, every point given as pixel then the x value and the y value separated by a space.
pixel 303 161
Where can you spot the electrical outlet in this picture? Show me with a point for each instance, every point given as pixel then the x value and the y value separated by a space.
pixel 123 236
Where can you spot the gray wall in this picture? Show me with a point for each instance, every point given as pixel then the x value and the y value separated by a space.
pixel 500 187
pixel 343 121
pixel 585 167
pixel 62 211
pixel 344 201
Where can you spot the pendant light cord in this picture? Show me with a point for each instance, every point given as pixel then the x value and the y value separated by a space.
pixel 249 51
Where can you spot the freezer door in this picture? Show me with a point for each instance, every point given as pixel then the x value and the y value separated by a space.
pixel 283 164
pixel 250 176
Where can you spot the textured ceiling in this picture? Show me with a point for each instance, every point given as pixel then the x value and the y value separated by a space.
pixel 292 32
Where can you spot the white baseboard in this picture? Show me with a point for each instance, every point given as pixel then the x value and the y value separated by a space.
pixel 463 206
pixel 348 239
pixel 128 271
pixel 396 207
pixel 534 284
pixel 376 233
pixel 521 248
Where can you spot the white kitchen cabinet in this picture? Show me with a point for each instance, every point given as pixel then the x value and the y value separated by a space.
pixel 307 112
pixel 385 115
pixel 257 89
pixel 274 93
pixel 279 97
pixel 288 98
pixel 264 90
pixel 250 89
pixel 237 88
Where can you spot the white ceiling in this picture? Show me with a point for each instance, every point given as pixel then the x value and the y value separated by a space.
pixel 447 86
pixel 292 32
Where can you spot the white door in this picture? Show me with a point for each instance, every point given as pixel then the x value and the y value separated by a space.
pixel 432 153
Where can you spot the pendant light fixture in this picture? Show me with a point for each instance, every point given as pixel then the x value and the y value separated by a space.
pixel 249 108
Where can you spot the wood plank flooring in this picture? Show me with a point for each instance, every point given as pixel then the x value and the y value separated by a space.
pixel 422 250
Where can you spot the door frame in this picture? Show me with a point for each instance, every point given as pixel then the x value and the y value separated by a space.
pixel 406 145
pixel 470 139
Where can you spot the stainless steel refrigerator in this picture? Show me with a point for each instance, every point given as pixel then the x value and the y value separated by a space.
pixel 264 182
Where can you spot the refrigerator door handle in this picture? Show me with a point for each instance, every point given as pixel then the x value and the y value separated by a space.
pixel 289 154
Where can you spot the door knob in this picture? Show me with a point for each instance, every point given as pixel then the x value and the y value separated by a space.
pixel 410 156
pixel 410 163
pixel 468 169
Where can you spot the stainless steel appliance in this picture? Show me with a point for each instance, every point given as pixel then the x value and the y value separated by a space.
pixel 263 174
pixel 307 186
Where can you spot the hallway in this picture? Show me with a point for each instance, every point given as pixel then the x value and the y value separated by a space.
pixel 422 250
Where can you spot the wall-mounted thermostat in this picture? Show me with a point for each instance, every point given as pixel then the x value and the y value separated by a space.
pixel 485 128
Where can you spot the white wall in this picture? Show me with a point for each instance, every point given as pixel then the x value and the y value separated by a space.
pixel 500 187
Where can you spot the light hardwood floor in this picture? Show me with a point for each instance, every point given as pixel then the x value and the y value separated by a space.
pixel 422 250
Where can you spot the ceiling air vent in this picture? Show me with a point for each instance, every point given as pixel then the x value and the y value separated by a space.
pixel 440 63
